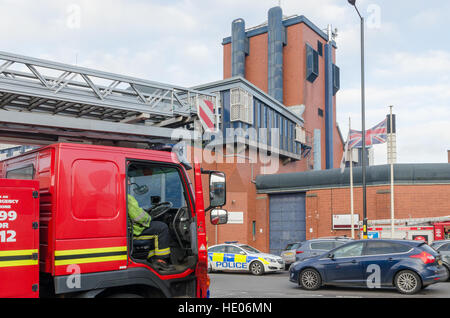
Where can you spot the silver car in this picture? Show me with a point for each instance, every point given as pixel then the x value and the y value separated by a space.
pixel 299 251
pixel 443 247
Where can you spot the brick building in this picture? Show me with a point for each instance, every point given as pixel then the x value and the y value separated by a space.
pixel 277 101
pixel 421 191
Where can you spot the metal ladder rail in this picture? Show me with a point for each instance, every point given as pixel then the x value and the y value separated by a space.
pixel 140 97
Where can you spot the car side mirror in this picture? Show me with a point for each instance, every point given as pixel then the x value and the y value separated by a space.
pixel 330 256
pixel 219 216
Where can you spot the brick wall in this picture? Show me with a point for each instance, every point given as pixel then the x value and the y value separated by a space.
pixel 410 201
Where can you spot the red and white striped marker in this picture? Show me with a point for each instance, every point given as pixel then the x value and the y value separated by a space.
pixel 206 114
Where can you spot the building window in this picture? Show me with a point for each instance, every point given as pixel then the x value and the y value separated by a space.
pixel 312 64
pixel 281 133
pixel 286 139
pixel 241 106
pixel 320 48
pixel 336 79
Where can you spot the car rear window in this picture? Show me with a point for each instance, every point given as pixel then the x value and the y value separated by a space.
pixel 428 248
pixel 325 246
pixel 379 248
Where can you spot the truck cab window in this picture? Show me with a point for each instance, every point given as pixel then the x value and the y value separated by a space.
pixel 151 185
pixel 159 191
pixel 24 173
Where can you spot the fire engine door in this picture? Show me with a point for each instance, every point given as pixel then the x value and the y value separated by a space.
pixel 19 238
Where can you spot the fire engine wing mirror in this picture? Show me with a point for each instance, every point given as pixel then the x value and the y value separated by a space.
pixel 217 189
pixel 219 216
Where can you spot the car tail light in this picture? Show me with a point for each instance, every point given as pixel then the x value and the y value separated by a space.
pixel 298 252
pixel 424 257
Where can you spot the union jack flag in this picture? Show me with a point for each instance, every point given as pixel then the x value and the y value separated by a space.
pixel 375 135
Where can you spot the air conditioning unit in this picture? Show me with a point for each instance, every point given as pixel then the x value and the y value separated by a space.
pixel 300 134
pixel 241 106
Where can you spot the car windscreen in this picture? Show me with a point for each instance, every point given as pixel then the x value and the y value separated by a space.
pixel 249 249
pixel 292 246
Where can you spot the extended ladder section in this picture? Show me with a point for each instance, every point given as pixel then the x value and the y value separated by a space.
pixel 54 99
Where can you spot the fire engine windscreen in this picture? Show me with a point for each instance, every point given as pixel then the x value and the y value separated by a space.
pixel 149 181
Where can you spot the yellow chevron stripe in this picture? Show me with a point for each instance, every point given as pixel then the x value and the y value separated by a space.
pixel 19 263
pixel 17 252
pixel 90 251
pixel 91 260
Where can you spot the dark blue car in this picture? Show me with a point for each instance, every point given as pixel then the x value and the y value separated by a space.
pixel 406 265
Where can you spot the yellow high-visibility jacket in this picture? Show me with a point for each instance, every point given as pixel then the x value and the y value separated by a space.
pixel 140 219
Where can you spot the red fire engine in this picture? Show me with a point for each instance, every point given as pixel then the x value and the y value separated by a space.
pixel 65 232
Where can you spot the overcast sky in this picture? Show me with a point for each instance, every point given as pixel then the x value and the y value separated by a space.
pixel 179 42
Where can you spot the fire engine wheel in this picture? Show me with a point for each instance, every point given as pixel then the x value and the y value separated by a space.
pixel 407 282
pixel 257 268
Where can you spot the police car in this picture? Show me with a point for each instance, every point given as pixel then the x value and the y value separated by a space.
pixel 233 256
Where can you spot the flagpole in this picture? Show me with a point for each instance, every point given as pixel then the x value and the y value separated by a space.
pixel 351 184
pixel 391 159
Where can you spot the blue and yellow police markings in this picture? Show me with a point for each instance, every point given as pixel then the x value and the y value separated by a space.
pixel 225 261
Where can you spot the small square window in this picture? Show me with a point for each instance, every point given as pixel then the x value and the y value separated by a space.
pixel 320 112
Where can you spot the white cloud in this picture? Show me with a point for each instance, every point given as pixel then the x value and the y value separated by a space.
pixel 431 62
pixel 423 118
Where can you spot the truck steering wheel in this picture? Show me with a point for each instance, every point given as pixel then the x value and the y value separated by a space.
pixel 159 209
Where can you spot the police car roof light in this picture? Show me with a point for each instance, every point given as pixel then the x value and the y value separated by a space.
pixel 231 242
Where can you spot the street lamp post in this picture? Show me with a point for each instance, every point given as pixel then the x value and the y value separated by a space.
pixel 363 123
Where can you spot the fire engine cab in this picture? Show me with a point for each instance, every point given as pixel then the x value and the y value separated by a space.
pixel 65 231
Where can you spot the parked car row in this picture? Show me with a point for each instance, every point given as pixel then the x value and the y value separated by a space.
pixel 406 265
pixel 409 266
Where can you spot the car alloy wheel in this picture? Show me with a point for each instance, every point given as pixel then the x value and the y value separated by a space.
pixel 407 282
pixel 310 279
pixel 256 268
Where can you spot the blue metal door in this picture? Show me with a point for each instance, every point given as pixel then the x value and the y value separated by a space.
pixel 287 220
